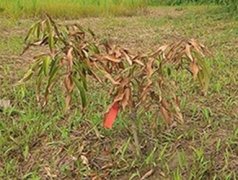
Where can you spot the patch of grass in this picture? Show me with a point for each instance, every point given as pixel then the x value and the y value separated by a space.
pixel 70 8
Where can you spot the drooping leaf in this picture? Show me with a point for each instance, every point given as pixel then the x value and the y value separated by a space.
pixel 126 98
pixel 203 76
pixel 51 41
pixel 81 89
pixel 108 76
pixel 165 112
pixel 69 86
pixel 69 57
pixel 176 107
pixel 46 64
pixel 31 32
pixel 27 76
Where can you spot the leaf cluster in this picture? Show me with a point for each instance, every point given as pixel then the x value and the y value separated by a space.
pixel 74 54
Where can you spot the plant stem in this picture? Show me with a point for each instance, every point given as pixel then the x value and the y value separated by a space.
pixel 135 131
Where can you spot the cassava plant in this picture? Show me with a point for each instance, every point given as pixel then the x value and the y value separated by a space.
pixel 66 58
pixel 137 81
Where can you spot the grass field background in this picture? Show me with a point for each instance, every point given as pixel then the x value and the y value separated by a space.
pixel 47 144
pixel 70 8
pixel 84 8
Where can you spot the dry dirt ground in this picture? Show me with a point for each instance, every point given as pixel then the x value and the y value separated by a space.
pixel 49 145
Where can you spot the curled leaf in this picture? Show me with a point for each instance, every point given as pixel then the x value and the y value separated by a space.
pixel 165 112
pixel 108 76
pixel 126 98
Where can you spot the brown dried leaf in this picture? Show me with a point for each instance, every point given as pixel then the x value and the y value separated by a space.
pixel 117 53
pixel 108 76
pixel 127 58
pixel 69 85
pixel 164 109
pixel 68 82
pixel 111 58
pixel 145 91
pixel 160 50
pixel 124 82
pixel 126 98
pixel 119 96
pixel 149 67
pixel 197 46
pixel 194 69
pixel 69 57
pixel 188 52
pixel 138 62
pixel 148 174
pixel 176 106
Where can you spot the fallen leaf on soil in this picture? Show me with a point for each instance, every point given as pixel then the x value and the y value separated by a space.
pixel 49 174
pixel 84 159
pixel 148 174
pixel 5 103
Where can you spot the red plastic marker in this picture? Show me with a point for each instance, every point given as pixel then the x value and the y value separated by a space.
pixel 111 115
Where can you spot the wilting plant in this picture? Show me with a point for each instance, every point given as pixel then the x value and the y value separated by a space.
pixel 137 80
pixel 140 81
pixel 66 59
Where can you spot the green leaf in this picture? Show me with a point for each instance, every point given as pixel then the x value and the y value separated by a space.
pixel 26 151
pixel 91 32
pixel 48 27
pixel 27 76
pixel 81 70
pixel 83 78
pixel 31 32
pixel 203 76
pixel 51 41
pixel 81 90
pixel 37 30
pixel 36 64
pixel 53 70
pixel 94 48
pixel 46 64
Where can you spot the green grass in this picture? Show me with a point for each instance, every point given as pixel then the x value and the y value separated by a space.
pixel 70 8
pixel 179 2
pixel 38 144
pixel 230 6
pixel 83 8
